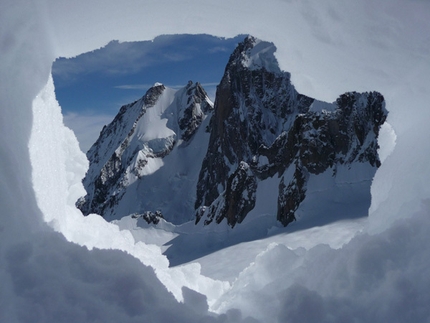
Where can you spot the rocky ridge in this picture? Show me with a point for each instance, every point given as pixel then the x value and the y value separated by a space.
pixel 134 145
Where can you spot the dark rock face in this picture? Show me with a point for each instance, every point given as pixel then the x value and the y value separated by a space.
pixel 251 109
pixel 150 217
pixel 236 201
pixel 197 107
pixel 260 120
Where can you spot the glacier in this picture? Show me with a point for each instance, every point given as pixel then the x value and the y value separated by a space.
pixel 380 274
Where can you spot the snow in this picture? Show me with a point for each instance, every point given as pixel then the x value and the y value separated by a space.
pixel 152 166
pixel 320 106
pixel 152 125
pixel 386 141
pixel 262 56
pixel 329 47
pixel 266 199
pixel 332 198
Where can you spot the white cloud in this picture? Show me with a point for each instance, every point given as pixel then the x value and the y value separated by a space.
pixel 217 49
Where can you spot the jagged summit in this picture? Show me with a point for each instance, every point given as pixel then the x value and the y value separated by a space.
pixel 252 108
pixel 148 135
pixel 256 54
pixel 261 149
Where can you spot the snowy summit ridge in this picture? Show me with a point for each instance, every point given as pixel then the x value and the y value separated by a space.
pixel 262 148
pixel 257 54
pixel 145 146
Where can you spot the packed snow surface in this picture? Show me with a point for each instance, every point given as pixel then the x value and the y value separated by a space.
pixel 380 273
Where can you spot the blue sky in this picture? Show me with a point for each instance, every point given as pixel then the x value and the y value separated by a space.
pixel 104 79
pixel 92 87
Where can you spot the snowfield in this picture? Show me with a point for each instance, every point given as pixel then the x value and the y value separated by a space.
pixel 58 266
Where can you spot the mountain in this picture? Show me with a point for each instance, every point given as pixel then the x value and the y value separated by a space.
pixel 147 158
pixel 262 148
pixel 263 131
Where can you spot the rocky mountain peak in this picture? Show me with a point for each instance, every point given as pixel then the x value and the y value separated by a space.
pixel 151 96
pixel 262 148
pixel 260 120
pixel 135 146
pixel 255 54
pixel 252 108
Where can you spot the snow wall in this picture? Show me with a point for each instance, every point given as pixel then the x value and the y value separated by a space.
pixel 329 48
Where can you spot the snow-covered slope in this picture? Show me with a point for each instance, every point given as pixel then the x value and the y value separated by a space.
pixel 147 158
